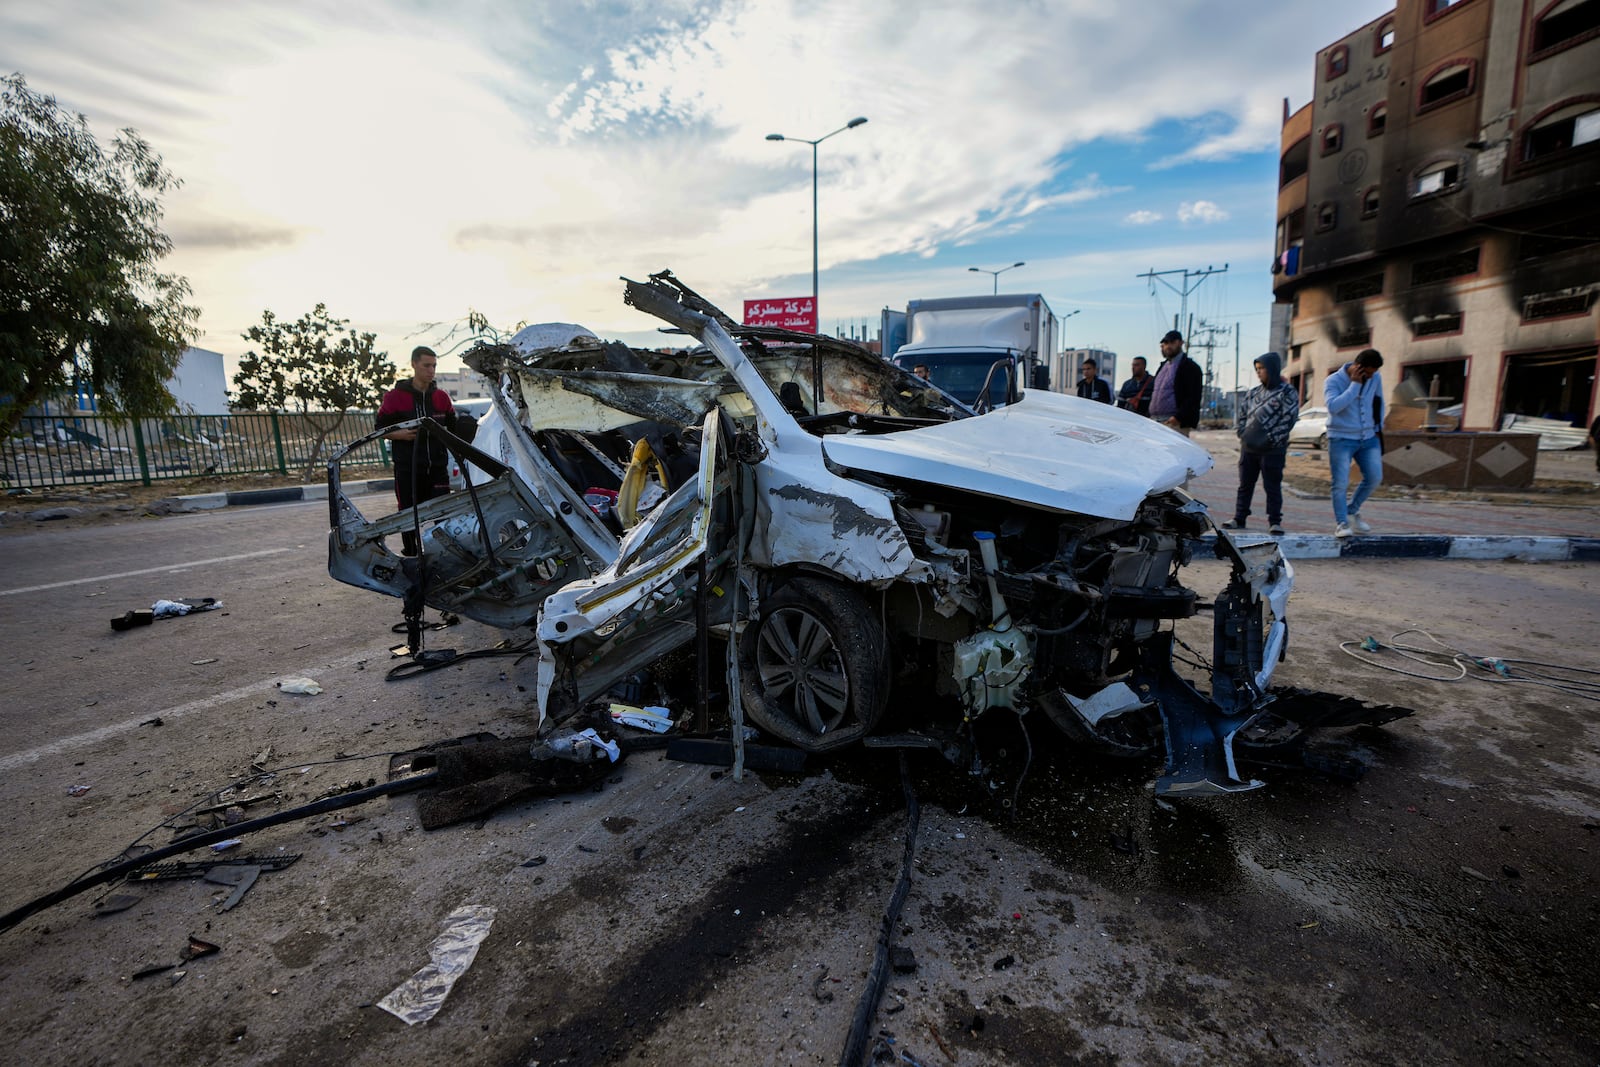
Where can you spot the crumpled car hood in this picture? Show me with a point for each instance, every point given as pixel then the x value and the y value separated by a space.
pixel 1050 450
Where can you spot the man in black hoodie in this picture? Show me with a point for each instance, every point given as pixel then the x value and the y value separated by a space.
pixel 1263 420
pixel 421 466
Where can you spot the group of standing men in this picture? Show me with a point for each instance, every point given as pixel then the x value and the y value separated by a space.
pixel 1171 395
pixel 1263 418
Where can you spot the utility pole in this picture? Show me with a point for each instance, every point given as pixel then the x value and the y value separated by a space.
pixel 1184 289
pixel 1210 332
pixel 1236 368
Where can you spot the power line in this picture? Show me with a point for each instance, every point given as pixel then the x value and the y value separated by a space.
pixel 1184 289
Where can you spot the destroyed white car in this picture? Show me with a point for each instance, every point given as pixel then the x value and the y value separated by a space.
pixel 851 531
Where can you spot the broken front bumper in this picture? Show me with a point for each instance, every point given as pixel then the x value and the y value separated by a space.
pixel 1249 638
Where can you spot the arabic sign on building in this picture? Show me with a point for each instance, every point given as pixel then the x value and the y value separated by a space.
pixel 788 313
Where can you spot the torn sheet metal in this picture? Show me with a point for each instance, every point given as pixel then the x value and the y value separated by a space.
pixel 419 998
pixel 652 569
pixel 596 401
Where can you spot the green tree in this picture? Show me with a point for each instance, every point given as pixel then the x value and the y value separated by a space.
pixel 80 243
pixel 318 365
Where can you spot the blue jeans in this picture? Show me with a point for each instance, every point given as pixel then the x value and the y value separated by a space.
pixel 1368 455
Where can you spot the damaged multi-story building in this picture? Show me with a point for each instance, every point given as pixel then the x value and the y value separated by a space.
pixel 1436 201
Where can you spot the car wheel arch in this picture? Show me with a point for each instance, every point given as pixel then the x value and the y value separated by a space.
pixel 850 656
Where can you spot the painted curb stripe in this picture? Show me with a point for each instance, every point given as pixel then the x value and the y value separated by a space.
pixel 1423 546
pixel 267 496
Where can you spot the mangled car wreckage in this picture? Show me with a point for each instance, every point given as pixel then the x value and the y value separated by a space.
pixel 848 528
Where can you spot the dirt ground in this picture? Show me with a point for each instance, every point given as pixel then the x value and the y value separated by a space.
pixel 87 505
pixel 1438 910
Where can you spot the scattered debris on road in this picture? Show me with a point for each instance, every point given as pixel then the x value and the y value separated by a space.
pixel 165 609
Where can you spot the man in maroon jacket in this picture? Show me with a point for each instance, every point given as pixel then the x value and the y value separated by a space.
pixel 421 466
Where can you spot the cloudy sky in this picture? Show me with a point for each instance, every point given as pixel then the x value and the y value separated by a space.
pixel 405 161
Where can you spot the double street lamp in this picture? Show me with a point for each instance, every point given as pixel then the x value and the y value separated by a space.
pixel 852 124
pixel 996 273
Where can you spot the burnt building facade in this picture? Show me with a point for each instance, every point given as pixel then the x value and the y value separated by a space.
pixel 1437 202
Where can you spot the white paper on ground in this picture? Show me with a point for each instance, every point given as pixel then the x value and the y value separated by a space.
pixel 419 998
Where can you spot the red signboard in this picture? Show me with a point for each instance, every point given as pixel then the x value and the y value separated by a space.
pixel 785 312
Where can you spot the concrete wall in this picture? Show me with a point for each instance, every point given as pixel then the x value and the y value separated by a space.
pixel 200 383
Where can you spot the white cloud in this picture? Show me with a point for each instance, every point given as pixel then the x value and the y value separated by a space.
pixel 1202 211
pixel 1142 218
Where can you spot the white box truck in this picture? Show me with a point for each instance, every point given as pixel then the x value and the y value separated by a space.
pixel 1002 341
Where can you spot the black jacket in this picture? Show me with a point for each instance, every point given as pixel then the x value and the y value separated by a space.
pixel 1099 389
pixel 1135 395
pixel 1186 390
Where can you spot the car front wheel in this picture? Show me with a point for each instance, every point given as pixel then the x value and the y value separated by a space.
pixel 813 667
pixel 1322 443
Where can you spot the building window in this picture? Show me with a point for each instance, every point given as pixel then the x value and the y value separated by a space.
pixel 1432 9
pixel 1563 129
pixel 1369 202
pixel 1556 306
pixel 1327 216
pixel 1568 238
pixel 1434 325
pixel 1377 118
pixel 1291 229
pixel 1359 288
pixel 1564 24
pixel 1447 84
pixel 1332 138
pixel 1338 62
pixel 1383 40
pixel 1456 265
pixel 1436 178
pixel 1354 337
pixel 1295 162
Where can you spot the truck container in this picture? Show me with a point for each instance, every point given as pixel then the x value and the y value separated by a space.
pixel 1003 341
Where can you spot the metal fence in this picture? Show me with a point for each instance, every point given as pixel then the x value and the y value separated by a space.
pixel 90 449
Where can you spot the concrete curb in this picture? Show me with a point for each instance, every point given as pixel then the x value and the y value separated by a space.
pixel 286 495
pixel 1428 546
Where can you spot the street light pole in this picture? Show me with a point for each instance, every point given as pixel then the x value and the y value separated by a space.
pixel 996 273
pixel 815 220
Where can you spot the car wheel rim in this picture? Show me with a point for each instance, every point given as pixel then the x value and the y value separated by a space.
pixel 802 670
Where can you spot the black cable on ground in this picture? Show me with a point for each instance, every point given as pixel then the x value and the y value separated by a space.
pixel 855 1046
pixel 210 837
pixel 435 659
pixel 1027 763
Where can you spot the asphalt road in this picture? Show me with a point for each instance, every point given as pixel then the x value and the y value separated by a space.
pixel 1439 910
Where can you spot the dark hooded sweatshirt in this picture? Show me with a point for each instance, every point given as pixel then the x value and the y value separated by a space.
pixel 1273 407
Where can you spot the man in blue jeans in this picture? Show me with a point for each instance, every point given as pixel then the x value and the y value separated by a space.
pixel 1354 398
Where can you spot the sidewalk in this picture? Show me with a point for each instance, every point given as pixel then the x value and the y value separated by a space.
pixel 1303 513
pixel 1402 529
pixel 286 495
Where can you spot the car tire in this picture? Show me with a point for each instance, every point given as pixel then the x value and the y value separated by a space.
pixel 814 667
pixel 1322 443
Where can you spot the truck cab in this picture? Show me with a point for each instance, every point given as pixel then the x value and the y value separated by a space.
pixel 963 373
